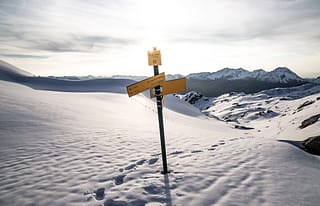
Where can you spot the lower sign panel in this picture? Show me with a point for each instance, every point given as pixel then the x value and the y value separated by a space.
pixel 172 86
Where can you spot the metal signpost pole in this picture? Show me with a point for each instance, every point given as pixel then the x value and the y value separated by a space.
pixel 158 87
pixel 160 117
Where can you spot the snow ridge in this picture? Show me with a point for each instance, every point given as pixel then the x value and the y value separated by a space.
pixel 8 70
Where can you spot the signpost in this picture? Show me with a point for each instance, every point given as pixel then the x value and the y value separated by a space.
pixel 158 88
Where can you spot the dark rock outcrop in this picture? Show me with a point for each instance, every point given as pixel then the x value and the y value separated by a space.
pixel 243 127
pixel 309 121
pixel 312 145
pixel 306 103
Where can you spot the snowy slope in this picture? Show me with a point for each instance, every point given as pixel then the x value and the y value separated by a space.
pixel 285 106
pixel 278 75
pixel 61 148
pixel 9 72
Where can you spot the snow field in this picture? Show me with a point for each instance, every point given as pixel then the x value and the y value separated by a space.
pixel 104 149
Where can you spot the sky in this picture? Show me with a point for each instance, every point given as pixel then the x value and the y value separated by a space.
pixel 107 37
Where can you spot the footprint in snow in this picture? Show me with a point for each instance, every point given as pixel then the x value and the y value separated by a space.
pixel 140 162
pixel 196 151
pixel 222 143
pixel 152 189
pixel 176 153
pixel 118 180
pixel 112 202
pixel 99 194
pixel 130 167
pixel 153 161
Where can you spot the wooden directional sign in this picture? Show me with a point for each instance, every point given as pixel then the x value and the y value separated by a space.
pixel 145 84
pixel 154 57
pixel 172 86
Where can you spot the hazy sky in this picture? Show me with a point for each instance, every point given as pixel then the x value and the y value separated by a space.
pixel 105 37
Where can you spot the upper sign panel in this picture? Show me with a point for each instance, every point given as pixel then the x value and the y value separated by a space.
pixel 154 58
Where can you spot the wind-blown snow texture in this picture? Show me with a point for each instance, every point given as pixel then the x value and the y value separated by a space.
pixel 61 148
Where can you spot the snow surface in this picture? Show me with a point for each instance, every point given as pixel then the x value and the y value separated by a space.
pixel 64 148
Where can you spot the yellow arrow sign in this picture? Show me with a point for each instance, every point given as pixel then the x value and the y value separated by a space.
pixel 145 84
pixel 172 86
pixel 154 57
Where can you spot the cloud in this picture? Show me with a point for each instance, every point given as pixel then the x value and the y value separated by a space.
pixel 77 25
pixel 76 43
pixel 25 56
pixel 237 21
pixel 265 32
pixel 53 27
pixel 43 41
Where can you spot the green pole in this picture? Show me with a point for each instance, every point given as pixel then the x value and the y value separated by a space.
pixel 160 117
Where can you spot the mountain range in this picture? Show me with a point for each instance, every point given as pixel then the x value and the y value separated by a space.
pixel 210 84
pixel 278 75
pixel 228 80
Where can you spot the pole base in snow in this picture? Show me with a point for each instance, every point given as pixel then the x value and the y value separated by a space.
pixel 162 172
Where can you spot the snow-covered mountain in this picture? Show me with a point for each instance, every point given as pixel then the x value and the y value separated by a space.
pixel 139 78
pixel 278 75
pixel 173 76
pixel 241 108
pixel 132 77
